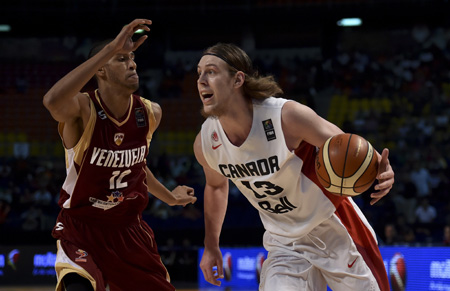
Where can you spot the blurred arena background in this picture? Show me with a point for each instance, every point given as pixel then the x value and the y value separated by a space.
pixel 387 80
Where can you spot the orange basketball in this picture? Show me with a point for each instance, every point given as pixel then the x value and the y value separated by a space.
pixel 346 165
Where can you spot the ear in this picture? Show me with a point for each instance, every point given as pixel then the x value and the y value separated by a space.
pixel 101 72
pixel 239 79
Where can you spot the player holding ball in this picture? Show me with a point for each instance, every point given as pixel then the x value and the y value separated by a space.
pixel 267 146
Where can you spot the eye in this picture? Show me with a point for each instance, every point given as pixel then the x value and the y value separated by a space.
pixel 210 72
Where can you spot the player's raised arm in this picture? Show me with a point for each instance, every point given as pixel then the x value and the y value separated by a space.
pixel 63 100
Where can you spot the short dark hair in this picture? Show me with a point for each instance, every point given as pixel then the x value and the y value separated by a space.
pixel 98 47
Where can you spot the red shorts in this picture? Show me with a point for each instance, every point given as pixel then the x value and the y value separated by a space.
pixel 121 255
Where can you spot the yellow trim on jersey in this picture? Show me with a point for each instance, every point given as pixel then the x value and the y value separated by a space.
pixel 116 122
pixel 85 139
pixel 63 269
pixel 151 119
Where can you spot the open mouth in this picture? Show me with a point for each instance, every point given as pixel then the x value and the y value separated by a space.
pixel 207 96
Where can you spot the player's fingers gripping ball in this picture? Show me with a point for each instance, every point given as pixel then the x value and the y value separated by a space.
pixel 346 165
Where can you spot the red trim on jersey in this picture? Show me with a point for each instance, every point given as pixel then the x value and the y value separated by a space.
pixel 361 235
pixel 364 241
pixel 307 153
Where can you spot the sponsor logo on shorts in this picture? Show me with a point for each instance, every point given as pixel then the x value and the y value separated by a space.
pixel 351 265
pixel 59 226
pixel 82 256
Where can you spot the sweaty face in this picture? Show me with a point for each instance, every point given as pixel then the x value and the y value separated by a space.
pixel 121 70
pixel 215 85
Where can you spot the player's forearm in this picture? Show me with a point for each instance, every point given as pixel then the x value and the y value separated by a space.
pixel 158 190
pixel 215 207
pixel 72 83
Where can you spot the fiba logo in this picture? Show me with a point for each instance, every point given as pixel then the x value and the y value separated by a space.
pixel 227 266
pixel 397 272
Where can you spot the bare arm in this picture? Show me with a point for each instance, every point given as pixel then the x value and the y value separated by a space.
pixel 301 123
pixel 215 207
pixel 181 195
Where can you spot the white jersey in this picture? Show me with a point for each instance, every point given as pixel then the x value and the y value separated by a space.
pixel 280 183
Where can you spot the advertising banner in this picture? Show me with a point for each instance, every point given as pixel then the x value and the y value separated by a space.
pixel 408 268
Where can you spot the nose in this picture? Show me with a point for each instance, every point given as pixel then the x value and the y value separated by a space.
pixel 201 79
pixel 132 65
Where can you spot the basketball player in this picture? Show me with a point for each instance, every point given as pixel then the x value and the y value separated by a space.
pixel 101 237
pixel 267 147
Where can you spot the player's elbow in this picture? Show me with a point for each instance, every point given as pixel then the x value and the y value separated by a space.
pixel 50 102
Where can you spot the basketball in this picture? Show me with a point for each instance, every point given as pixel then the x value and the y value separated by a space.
pixel 346 165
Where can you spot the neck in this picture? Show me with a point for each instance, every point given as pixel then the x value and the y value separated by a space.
pixel 117 103
pixel 237 123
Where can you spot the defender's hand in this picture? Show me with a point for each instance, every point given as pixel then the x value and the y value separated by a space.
pixel 124 42
pixel 183 195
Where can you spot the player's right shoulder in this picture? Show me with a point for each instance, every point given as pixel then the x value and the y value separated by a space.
pixel 198 149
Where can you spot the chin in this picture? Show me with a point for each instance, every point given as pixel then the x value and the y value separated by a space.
pixel 212 111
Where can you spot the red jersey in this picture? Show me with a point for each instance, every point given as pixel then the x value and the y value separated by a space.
pixel 106 178
pixel 100 233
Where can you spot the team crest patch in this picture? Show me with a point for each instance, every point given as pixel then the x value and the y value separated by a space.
pixel 214 136
pixel 269 130
pixel 118 138
pixel 140 117
pixel 81 256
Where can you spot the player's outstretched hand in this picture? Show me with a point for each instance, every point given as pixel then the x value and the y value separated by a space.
pixel 385 178
pixel 212 266
pixel 124 42
pixel 183 195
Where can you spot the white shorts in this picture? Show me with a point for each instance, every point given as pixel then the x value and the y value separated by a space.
pixel 325 256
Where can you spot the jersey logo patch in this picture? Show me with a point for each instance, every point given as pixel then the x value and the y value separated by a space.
pixel 102 115
pixel 140 117
pixel 114 199
pixel 118 138
pixel 215 139
pixel 269 130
